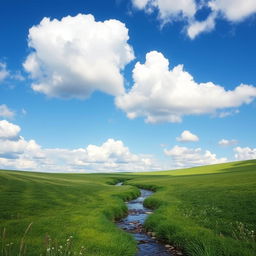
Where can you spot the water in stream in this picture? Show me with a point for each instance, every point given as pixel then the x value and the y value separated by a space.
pixel 133 223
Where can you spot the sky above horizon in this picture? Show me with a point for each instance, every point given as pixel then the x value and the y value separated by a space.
pixel 126 85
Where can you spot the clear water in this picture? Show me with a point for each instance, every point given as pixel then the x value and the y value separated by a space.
pixel 147 246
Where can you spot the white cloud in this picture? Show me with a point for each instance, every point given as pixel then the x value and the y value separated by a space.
pixel 185 10
pixel 5 112
pixel 224 114
pixel 245 153
pixel 111 156
pixel 225 142
pixel 168 11
pixel 8 130
pixel 234 10
pixel 188 157
pixel 75 56
pixel 140 4
pixel 172 10
pixel 230 10
pixel 15 151
pixel 4 73
pixel 187 136
pixel 18 76
pixel 19 148
pixel 197 27
pixel 163 95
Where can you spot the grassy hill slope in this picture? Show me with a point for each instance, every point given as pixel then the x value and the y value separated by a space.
pixel 207 169
pixel 60 206
pixel 207 210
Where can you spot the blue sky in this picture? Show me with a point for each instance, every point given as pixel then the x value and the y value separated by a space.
pixel 130 85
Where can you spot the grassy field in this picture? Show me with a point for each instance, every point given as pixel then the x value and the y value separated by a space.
pixel 63 207
pixel 207 211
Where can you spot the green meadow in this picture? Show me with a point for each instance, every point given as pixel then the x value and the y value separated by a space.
pixel 205 211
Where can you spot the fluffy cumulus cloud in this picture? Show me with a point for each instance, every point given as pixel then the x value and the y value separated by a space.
pixel 8 130
pixel 226 143
pixel 19 153
pixel 163 95
pixel 168 10
pixel 5 112
pixel 15 151
pixel 187 136
pixel 4 73
pixel 111 156
pixel 75 56
pixel 230 10
pixel 188 157
pixel 234 10
pixel 186 10
pixel 245 153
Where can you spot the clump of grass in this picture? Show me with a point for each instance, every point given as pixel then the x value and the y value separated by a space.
pixel 241 232
pixel 10 249
pixel 6 248
pixel 22 249
pixel 53 248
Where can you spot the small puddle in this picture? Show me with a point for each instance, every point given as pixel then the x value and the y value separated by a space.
pixel 133 223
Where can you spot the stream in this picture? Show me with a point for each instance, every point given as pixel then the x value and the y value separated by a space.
pixel 133 223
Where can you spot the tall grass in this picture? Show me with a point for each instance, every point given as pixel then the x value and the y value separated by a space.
pixel 54 248
pixel 10 248
pixel 51 247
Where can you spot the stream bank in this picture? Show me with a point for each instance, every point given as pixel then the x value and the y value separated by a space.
pixel 147 243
